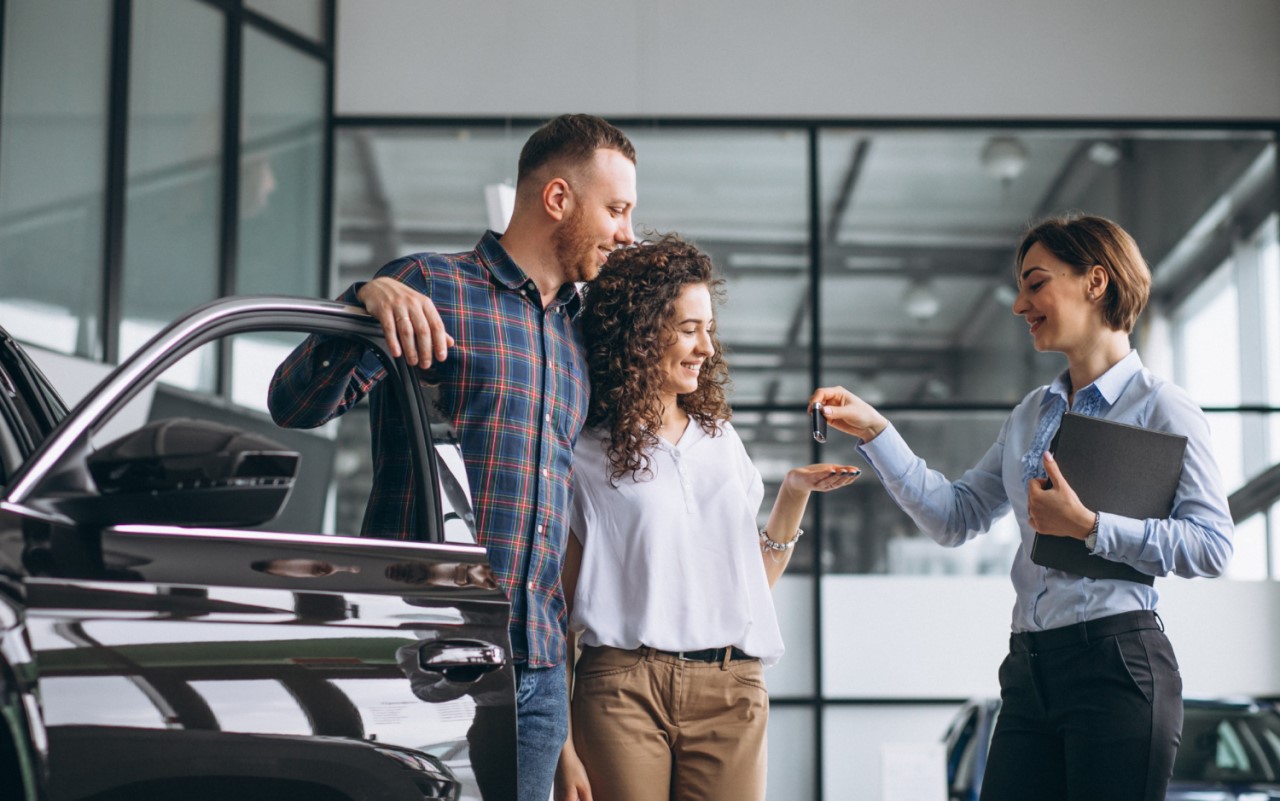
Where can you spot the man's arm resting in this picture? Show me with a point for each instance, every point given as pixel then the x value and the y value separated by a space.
pixel 320 380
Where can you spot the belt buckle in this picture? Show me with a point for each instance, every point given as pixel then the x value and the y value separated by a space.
pixel 681 656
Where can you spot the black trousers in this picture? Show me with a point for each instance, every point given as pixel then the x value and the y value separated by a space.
pixel 1090 712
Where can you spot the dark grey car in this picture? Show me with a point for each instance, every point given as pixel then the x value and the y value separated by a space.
pixel 173 623
pixel 1230 750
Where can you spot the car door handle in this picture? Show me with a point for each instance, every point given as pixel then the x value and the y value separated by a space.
pixel 461 661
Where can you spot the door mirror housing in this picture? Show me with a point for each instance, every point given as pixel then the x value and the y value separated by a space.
pixel 191 472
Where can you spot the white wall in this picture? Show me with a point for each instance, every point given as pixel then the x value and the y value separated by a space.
pixel 1170 59
pixel 923 637
pixel 940 637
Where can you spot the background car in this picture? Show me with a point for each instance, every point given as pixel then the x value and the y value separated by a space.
pixel 177 622
pixel 1230 750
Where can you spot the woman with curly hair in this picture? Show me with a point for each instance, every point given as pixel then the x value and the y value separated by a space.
pixel 666 577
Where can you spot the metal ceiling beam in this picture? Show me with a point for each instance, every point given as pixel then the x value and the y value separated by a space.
pixel 887 358
pixel 907 260
pixel 841 205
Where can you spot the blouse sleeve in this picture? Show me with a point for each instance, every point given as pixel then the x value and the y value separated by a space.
pixel 951 512
pixel 1196 538
pixel 748 473
pixel 580 509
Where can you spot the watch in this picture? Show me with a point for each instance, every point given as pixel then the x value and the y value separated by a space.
pixel 1091 539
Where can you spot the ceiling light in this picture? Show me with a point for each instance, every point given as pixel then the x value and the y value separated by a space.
pixel 919 301
pixel 1004 294
pixel 1104 153
pixel 1004 158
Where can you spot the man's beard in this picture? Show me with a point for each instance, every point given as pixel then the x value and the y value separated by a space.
pixel 574 249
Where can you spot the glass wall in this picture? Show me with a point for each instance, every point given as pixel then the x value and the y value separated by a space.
pixel 306 17
pixel 909 235
pixel 281 170
pixel 53 148
pixel 281 198
pixel 122 204
pixel 172 223
pixel 905 236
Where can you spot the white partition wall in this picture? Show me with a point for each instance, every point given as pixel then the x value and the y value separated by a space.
pixel 1092 58
pixel 942 637
pixel 895 648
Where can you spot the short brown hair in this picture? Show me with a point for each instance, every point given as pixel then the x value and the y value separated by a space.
pixel 627 324
pixel 572 139
pixel 1083 240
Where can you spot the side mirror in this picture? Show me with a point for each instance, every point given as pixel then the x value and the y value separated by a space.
pixel 189 472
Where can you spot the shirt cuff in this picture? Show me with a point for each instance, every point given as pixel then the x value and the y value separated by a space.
pixel 351 296
pixel 889 453
pixel 1120 538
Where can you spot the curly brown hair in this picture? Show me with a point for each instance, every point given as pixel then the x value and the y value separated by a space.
pixel 627 324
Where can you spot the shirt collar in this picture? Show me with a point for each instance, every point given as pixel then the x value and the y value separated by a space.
pixel 506 272
pixel 1110 384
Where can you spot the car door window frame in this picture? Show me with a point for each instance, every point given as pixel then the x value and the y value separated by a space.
pixel 45 473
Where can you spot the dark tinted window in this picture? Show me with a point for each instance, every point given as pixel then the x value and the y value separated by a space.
pixel 28 408
pixel 1229 745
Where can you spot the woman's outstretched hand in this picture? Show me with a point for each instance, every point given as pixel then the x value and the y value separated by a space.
pixel 821 477
pixel 848 413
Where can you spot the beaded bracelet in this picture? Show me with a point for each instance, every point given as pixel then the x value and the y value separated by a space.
pixel 769 542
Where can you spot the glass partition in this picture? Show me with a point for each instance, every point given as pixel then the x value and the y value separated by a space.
pixel 916 229
pixel 281 170
pixel 53 148
pixel 174 162
pixel 303 16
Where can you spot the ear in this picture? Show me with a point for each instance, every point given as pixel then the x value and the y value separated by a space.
pixel 1096 281
pixel 557 197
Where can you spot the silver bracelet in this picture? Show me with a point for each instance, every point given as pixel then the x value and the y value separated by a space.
pixel 769 542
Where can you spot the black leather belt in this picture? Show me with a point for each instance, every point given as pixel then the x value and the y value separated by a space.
pixel 1084 633
pixel 707 654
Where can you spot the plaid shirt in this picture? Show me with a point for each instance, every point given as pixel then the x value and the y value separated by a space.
pixel 515 386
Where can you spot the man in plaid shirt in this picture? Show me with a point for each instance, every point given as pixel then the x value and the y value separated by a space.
pixel 495 329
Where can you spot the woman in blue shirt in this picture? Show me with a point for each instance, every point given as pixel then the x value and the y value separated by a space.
pixel 1092 705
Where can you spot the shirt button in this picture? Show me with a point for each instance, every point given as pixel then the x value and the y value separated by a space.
pixel 324 363
pixel 548 418
pixel 546 473
pixel 541 528
pixel 530 586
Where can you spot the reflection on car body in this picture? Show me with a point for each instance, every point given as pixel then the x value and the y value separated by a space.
pixel 1230 750
pixel 160 639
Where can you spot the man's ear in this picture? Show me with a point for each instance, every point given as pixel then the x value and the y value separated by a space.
pixel 557 197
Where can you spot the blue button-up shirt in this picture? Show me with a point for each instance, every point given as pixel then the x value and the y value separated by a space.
pixel 515 387
pixel 1195 540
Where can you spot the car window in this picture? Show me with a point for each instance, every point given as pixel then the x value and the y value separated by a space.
pixel 1229 744
pixel 28 408
pixel 11 454
pixel 960 762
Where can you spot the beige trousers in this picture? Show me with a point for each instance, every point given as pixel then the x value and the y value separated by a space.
pixel 651 727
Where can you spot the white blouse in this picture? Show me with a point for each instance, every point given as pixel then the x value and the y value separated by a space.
pixel 672 560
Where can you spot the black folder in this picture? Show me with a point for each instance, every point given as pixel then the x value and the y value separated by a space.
pixel 1116 468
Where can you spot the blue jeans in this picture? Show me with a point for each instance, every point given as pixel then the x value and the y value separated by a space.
pixel 542 724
